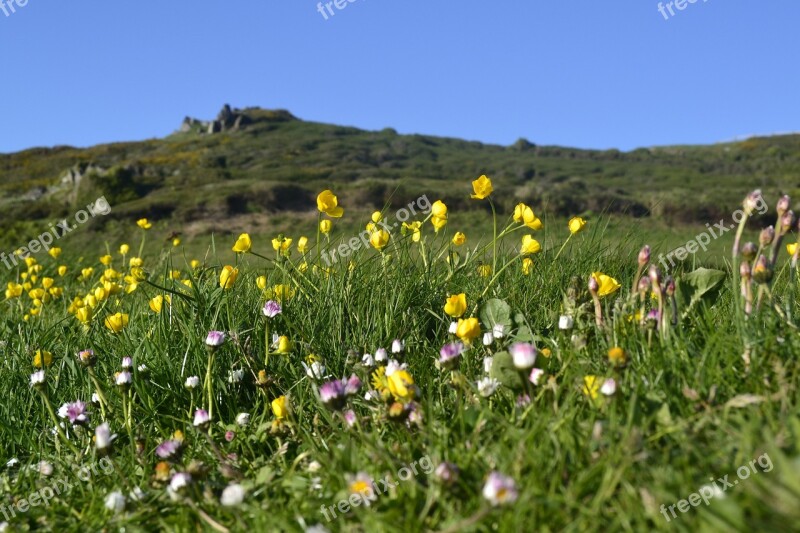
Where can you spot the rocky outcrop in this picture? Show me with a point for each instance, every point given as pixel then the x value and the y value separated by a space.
pixel 228 119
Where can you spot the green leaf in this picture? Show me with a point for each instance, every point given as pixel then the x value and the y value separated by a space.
pixel 695 286
pixel 504 371
pixel 495 311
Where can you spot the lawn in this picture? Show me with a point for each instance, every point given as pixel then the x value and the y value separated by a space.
pixel 543 375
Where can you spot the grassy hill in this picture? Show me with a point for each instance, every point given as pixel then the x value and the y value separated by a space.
pixel 265 174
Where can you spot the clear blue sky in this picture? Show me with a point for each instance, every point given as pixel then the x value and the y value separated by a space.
pixel 584 73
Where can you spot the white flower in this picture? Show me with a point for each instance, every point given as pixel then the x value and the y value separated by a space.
pixel 243 419
pixel 315 370
pixel 317 528
pixel 201 418
pixel 179 481
pixel 536 375
pixel 136 494
pixel 380 355
pixel 192 382
pixel 565 322
pixel 12 462
pixel 398 345
pixel 127 363
pixel 393 366
pixel 487 386
pixel 488 338
pixel 102 436
pixel 45 468
pixel 499 489
pixel 235 376
pixel 487 364
pixel 314 466
pixel 115 502
pixel 232 495
pixel 453 328
pixel 95 398
pixel 498 331
pixel 368 360
pixel 524 355
pixel 609 387
pixel 124 378
pixel 37 378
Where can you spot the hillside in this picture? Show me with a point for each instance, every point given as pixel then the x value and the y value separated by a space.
pixel 265 162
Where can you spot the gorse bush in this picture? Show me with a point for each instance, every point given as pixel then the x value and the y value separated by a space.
pixel 416 381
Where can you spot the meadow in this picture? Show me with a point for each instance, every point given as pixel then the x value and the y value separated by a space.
pixel 496 372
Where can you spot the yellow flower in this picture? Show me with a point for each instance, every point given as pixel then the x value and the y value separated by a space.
pixel 30 261
pixel 482 188
pixel 117 322
pixel 280 407
pixel 280 292
pixel 14 290
pixel 459 238
pixel 176 241
pixel 377 216
pixel 135 262
pixel 468 329
pixel 62 270
pixel 401 385
pixel 195 264
pixel 379 239
pixel 791 248
pixel 439 209
pixel 227 277
pixel 144 223
pixel 616 356
pixel 608 285
pixel 86 273
pixel 524 215
pixel 56 291
pixel 456 305
pixel 325 226
pixel 243 244
pixel 54 252
pixel 281 244
pixel 438 222
pixel 302 245
pixel 124 249
pixel 591 386
pixel 175 275
pixel 158 301
pixel 42 356
pixel 530 245
pixel 484 271
pixel 413 228
pixel 106 259
pixel 576 225
pixel 328 203
pixel 261 282
pixel 284 345
pixel 527 265
pixel 84 314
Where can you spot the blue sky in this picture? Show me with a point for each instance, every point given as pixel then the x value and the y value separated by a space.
pixel 583 73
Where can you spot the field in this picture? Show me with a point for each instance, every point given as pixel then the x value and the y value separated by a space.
pixel 539 375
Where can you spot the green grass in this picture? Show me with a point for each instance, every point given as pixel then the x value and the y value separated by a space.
pixel 679 417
